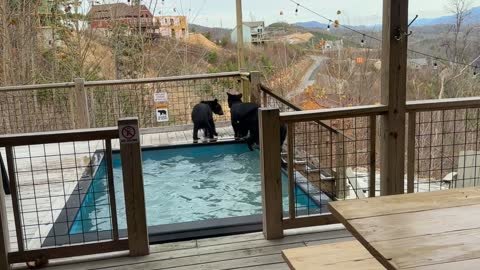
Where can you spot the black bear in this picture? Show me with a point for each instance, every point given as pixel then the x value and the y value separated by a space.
pixel 202 118
pixel 244 118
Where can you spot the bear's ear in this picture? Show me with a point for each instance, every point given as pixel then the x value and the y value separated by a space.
pixel 228 94
pixel 240 96
pixel 215 100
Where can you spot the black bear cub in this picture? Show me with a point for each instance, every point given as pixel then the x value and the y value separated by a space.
pixel 244 117
pixel 202 118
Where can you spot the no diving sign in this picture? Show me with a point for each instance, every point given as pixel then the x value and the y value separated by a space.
pixel 129 134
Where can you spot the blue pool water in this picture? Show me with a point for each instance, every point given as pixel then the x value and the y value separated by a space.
pixel 183 185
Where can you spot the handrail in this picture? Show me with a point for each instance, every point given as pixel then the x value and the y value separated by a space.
pixel 335 113
pixel 443 104
pixel 37 86
pixel 165 79
pixel 295 107
pixel 121 82
pixel 59 136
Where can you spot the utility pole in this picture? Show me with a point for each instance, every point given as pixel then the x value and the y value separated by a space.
pixel 240 44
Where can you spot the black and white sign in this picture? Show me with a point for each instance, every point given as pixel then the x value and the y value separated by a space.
pixel 162 115
pixel 129 134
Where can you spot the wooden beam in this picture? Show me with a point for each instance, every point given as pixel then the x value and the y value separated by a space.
pixel 82 114
pixel 68 251
pixel 394 78
pixel 131 155
pixel 255 77
pixel 240 44
pixel 4 235
pixel 269 124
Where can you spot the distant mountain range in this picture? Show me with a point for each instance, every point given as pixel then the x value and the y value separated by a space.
pixel 474 18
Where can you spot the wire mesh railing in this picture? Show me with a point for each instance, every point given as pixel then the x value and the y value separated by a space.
pixel 109 101
pixel 79 104
pixel 56 181
pixel 443 144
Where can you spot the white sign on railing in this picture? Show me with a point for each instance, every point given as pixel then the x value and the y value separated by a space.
pixel 161 106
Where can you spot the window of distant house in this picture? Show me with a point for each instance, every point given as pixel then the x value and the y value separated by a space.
pixel 173 32
pixel 259 30
pixel 172 22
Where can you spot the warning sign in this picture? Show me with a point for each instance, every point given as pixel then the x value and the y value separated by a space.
pixel 129 134
pixel 162 115
pixel 161 106
pixel 160 97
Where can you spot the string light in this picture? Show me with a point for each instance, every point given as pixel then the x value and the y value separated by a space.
pixel 337 24
pixel 475 72
pixel 296 10
pixel 435 66
pixel 362 42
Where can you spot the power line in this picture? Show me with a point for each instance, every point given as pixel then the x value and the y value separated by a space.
pixel 437 58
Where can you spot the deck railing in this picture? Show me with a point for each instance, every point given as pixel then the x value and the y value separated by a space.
pixel 442 152
pixel 443 144
pixel 94 104
pixel 56 178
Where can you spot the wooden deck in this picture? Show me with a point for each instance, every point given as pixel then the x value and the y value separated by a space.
pixel 48 174
pixel 246 251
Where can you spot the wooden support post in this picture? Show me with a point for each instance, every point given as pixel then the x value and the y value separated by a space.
pixel 291 168
pixel 82 114
pixel 269 124
pixel 4 235
pixel 341 168
pixel 245 85
pixel 15 200
pixel 394 78
pixel 255 97
pixel 412 121
pixel 131 155
pixel 240 44
pixel 373 157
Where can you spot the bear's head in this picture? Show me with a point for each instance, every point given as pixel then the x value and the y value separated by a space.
pixel 215 106
pixel 232 99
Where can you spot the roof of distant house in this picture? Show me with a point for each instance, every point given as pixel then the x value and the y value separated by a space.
pixel 119 10
pixel 254 24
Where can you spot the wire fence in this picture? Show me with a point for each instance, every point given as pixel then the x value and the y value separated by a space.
pixel 62 193
pixel 325 160
pixel 447 149
pixel 109 102
pixel 73 105
pixel 35 110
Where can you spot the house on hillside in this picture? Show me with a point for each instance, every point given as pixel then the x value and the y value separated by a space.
pixel 253 32
pixel 171 26
pixel 105 17
pixel 257 31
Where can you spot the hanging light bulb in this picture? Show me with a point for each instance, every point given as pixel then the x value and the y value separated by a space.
pixel 296 10
pixel 362 42
pixel 435 66
pixel 475 72
pixel 328 26
pixel 174 9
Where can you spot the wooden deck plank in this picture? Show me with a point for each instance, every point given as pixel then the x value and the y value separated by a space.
pixel 215 252
pixel 200 260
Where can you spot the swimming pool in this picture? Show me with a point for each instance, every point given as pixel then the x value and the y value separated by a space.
pixel 186 185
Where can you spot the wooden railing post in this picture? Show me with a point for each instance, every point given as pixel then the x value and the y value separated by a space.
pixel 412 121
pixel 4 235
pixel 245 85
pixel 255 96
pixel 269 124
pixel 80 105
pixel 341 168
pixel 131 155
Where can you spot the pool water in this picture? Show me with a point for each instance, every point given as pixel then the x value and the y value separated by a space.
pixel 185 184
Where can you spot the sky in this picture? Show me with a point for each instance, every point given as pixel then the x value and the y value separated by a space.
pixel 221 13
